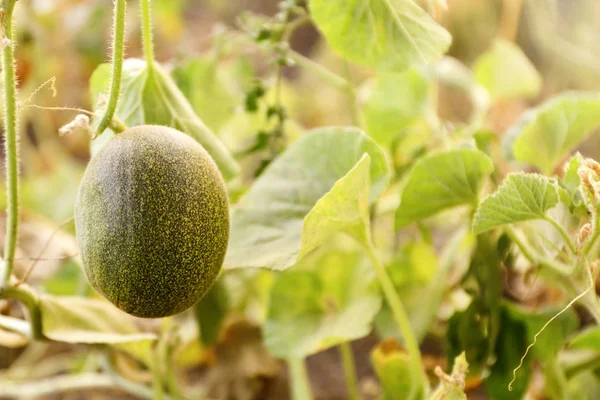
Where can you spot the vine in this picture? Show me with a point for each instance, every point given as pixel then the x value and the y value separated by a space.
pixel 117 65
pixel 11 142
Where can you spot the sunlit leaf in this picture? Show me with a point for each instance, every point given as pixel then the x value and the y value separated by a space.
pixel 315 305
pixel 521 197
pixel 389 35
pixel 269 221
pixel 506 72
pixel 546 134
pixel 202 84
pixel 587 339
pixel 90 321
pixel 441 181
pixel 396 101
pixel 345 208
pixel 153 98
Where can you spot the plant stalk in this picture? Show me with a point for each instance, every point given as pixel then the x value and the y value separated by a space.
pixel 401 316
pixel 147 35
pixel 117 65
pixel 11 144
pixel 591 242
pixel 535 258
pixel 157 378
pixel 319 70
pixel 563 234
pixel 349 371
pixel 25 295
pixel 300 383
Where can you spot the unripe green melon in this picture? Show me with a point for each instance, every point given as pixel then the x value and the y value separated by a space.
pixel 152 221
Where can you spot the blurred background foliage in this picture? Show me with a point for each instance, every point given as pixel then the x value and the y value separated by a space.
pixel 68 39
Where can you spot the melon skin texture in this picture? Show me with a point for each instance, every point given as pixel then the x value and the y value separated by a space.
pixel 152 221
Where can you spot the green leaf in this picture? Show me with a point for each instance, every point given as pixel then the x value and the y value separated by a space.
pixel 413 272
pixel 388 35
pixel 72 319
pixel 441 181
pixel 510 347
pixel 571 178
pixel 210 312
pixel 521 197
pixel 585 385
pixel 475 330
pixel 569 185
pixel 393 368
pixel 153 98
pixel 506 72
pixel 202 83
pixel 553 338
pixel 275 222
pixel 68 281
pixel 344 209
pixel 545 135
pixel 329 298
pixel 587 339
pixel 397 100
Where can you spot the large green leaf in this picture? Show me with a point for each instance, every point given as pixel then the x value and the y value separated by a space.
pixel 151 97
pixel 290 209
pixel 201 82
pixel 545 135
pixel 552 339
pixel 315 305
pixel 82 320
pixel 587 339
pixel 441 181
pixel 345 208
pixel 510 347
pixel 389 35
pixel 210 312
pixel 397 100
pixel 521 197
pixel 506 72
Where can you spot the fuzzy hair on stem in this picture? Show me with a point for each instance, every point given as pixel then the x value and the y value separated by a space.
pixel 11 141
pixel 118 54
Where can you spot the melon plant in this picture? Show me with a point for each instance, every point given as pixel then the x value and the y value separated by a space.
pixel 298 201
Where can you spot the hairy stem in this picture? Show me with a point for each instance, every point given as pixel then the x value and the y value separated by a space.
pixel 351 96
pixel 401 316
pixel 589 301
pixel 590 243
pixel 319 70
pixel 563 233
pixel 30 300
pixel 147 35
pixel 11 144
pixel 534 257
pixel 349 371
pixel 300 382
pixel 117 65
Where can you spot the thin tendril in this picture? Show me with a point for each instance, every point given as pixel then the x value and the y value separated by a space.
pixel 542 330
pixel 42 251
